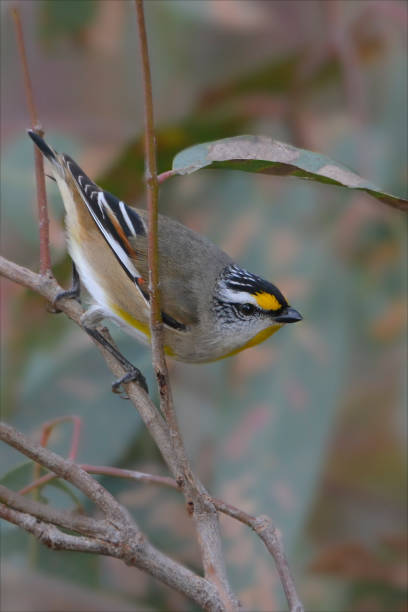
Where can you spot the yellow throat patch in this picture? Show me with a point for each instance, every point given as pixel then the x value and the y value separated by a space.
pixel 257 339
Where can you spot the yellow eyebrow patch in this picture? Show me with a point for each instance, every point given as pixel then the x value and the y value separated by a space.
pixel 267 301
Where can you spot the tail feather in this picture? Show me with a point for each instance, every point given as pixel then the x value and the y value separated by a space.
pixel 48 153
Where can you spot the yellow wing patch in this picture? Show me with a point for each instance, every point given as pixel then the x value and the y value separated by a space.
pixel 267 301
pixel 131 320
pixel 142 327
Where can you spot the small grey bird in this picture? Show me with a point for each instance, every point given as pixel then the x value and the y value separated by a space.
pixel 211 307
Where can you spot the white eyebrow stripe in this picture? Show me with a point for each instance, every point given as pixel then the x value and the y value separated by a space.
pixel 126 217
pixel 238 297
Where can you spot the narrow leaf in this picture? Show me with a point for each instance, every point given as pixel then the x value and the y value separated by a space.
pixel 267 156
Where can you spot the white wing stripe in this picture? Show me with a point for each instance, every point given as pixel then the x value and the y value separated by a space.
pixel 126 218
pixel 101 201
pixel 120 252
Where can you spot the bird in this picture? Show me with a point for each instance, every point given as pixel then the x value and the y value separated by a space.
pixel 212 308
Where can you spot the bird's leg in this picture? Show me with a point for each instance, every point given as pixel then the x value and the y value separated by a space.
pixel 88 321
pixel 73 292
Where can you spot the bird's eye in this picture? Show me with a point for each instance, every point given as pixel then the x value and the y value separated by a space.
pixel 246 309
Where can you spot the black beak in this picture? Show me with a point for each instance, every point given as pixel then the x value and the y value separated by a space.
pixel 288 315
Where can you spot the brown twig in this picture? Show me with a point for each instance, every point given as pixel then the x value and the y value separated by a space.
pixel 116 535
pixel 77 425
pixel 272 538
pixel 148 559
pixel 204 513
pixel 104 470
pixel 164 176
pixel 152 187
pixel 261 525
pixel 46 432
pixel 43 222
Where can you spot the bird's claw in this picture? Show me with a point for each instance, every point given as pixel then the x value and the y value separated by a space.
pixel 134 375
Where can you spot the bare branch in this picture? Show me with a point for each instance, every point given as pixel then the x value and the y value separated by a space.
pixel 49 426
pixel 164 176
pixel 119 538
pixel 107 471
pixel 49 535
pixel 272 538
pixel 204 513
pixel 43 222
pixel 68 520
pixel 152 188
pixel 68 470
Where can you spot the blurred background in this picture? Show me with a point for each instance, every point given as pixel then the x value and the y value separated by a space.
pixel 308 427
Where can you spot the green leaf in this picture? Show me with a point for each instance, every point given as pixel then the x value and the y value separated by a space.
pixel 18 477
pixel 62 19
pixel 23 474
pixel 264 155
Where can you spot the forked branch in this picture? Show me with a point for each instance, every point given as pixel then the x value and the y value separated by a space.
pixel 116 535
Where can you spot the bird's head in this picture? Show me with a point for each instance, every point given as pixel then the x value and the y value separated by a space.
pixel 250 307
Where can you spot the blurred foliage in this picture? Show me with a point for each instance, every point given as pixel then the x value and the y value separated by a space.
pixel 61 19
pixel 308 427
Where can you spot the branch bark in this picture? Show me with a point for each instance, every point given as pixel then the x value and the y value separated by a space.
pixel 43 222
pixel 116 536
pixel 198 500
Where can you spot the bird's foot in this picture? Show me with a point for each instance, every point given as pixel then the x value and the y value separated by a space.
pixel 72 293
pixel 133 375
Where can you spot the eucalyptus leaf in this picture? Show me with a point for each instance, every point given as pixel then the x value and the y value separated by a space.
pixel 261 154
pixel 23 474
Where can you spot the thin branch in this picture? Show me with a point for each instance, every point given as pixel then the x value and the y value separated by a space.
pixel 150 560
pixel 63 518
pixel 46 432
pixel 272 538
pixel 164 176
pixel 152 188
pixel 261 525
pixel 43 222
pixel 104 470
pixel 67 470
pixel 118 536
pixel 49 535
pixel 77 425
pixel 204 513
